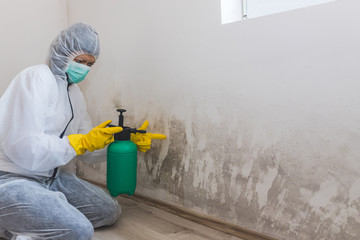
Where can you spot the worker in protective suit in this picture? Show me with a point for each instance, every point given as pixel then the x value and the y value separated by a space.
pixel 44 124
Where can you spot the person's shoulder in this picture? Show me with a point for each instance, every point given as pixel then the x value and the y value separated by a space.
pixel 42 69
pixel 38 73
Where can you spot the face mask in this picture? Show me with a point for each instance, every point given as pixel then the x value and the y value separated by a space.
pixel 77 72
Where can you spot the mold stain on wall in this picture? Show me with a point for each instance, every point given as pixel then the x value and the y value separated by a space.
pixel 166 172
pixel 232 178
pixel 291 187
pixel 253 186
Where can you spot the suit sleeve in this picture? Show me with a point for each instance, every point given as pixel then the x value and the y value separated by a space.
pixel 27 143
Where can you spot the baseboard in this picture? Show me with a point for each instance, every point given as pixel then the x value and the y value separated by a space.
pixel 214 223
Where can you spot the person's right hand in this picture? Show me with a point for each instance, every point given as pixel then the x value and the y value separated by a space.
pixel 98 138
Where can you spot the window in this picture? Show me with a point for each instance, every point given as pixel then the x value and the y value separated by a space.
pixel 237 10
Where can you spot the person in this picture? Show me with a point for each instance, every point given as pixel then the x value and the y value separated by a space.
pixel 44 124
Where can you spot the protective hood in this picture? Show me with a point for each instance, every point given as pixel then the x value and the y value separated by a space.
pixel 78 39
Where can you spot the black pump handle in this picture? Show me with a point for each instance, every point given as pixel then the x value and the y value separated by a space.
pixel 121 110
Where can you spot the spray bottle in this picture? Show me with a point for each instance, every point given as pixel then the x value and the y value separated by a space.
pixel 122 161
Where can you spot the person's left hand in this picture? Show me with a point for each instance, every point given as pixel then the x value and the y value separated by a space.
pixel 143 140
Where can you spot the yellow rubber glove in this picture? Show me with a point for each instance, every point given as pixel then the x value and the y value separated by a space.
pixel 143 140
pixel 98 138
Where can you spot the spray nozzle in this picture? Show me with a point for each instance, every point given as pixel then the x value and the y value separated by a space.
pixel 131 130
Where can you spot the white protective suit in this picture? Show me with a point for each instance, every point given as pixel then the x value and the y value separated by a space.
pixel 36 200
pixel 39 105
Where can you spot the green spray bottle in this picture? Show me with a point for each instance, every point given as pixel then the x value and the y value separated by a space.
pixel 122 161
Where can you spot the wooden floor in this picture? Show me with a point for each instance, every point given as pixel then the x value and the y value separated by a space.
pixel 143 222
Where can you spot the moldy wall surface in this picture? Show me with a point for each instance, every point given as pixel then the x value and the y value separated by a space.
pixel 262 116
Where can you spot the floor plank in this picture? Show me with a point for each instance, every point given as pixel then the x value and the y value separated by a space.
pixel 139 221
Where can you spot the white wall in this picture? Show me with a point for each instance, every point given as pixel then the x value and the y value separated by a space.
pixel 262 115
pixel 27 28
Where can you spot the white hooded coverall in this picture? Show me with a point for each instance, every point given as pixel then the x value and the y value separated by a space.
pixel 35 110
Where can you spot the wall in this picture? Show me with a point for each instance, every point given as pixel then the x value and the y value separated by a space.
pixel 262 116
pixel 27 29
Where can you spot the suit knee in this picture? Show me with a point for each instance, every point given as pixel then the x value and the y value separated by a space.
pixel 110 214
pixel 82 231
pixel 116 211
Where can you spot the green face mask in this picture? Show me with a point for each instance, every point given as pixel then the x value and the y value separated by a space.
pixel 77 72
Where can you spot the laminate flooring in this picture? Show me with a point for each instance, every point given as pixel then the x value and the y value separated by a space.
pixel 139 221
